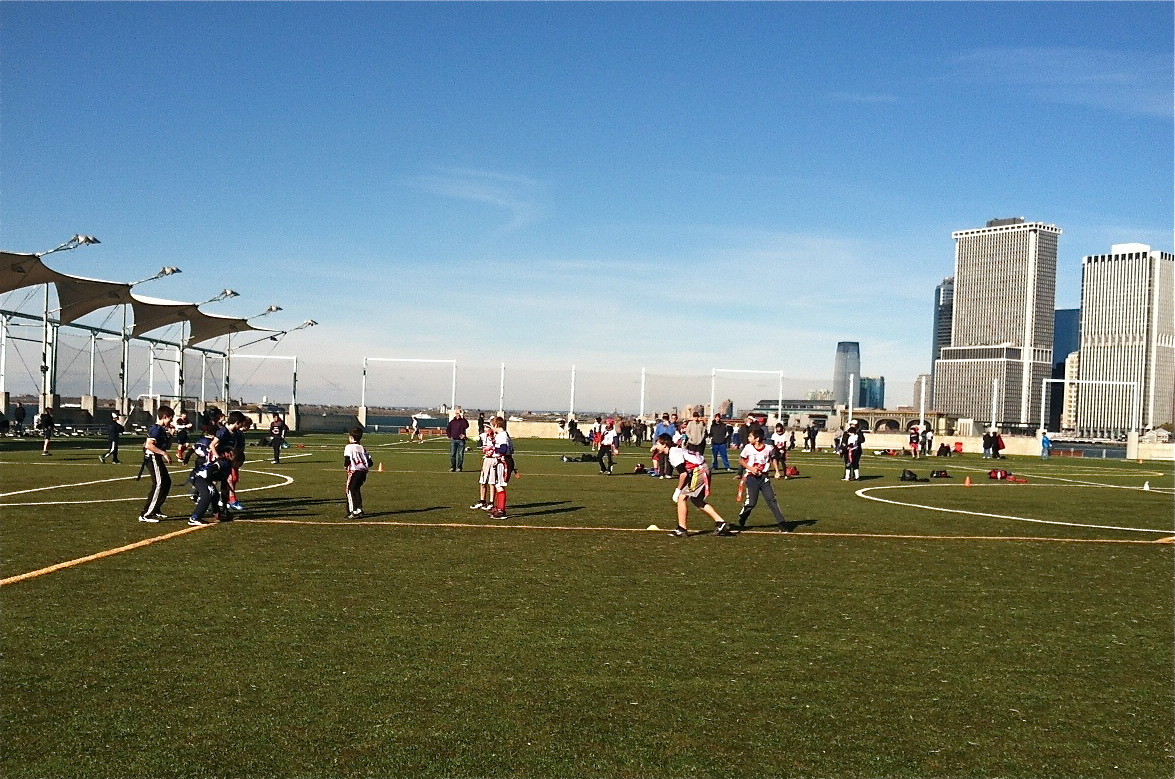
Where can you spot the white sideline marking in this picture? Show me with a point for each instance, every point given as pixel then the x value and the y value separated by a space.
pixel 287 480
pixel 861 493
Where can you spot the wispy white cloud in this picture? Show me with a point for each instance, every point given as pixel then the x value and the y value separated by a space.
pixel 519 196
pixel 1129 82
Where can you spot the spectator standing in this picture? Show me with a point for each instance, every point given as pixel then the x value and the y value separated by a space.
pixel 19 414
pixel 458 432
pixel 719 442
pixel 695 433
pixel 1046 445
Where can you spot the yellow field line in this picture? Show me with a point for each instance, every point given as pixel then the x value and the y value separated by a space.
pixel 890 536
pixel 99 555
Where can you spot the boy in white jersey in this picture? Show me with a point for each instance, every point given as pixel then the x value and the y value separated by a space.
pixel 609 446
pixel 488 476
pixel 693 485
pixel 779 453
pixel 503 467
pixel 357 462
pixel 756 459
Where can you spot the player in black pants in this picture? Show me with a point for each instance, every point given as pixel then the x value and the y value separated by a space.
pixel 113 431
pixel 155 460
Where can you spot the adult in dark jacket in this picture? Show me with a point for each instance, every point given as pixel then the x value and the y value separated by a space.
pixel 458 432
pixel 720 442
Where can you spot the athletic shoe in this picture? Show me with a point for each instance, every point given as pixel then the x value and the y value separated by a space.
pixel 148 518
pixel 199 521
pixel 236 506
pixel 102 457
pixel 487 507
pixel 356 514
pixel 478 505
pixel 495 514
pixel 724 529
pixel 679 532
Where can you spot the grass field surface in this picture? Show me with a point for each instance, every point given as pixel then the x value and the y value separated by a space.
pixel 901 630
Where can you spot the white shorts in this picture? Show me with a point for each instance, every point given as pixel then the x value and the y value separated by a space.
pixel 487 471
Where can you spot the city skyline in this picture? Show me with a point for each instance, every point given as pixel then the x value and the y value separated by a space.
pixel 594 175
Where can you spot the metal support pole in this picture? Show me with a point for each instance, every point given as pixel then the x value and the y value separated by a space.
pixel 922 405
pixel 642 416
pixel 995 390
pixel 363 387
pixel 228 361
pixel 571 407
pixel 779 406
pixel 852 395
pixel 45 354
pixel 3 354
pixel 453 391
pixel 93 354
pixel 713 389
pixel 501 391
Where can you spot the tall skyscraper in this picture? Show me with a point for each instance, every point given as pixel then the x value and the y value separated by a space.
pixel 944 299
pixel 1066 340
pixel 916 401
pixel 872 394
pixel 1127 335
pixel 847 364
pixel 1001 323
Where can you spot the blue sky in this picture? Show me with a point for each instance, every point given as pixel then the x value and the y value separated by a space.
pixel 679 186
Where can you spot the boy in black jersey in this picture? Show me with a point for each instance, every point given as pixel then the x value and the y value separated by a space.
pixel 155 460
pixel 210 478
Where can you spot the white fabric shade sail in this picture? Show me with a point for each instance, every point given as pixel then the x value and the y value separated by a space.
pixel 79 296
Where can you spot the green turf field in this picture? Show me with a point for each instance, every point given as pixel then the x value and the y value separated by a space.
pixel 993 630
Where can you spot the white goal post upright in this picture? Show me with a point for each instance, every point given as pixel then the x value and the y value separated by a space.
pixel 363 390
pixel 714 381
pixel 294 378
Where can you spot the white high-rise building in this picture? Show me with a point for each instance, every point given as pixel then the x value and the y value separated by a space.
pixel 1127 336
pixel 1001 323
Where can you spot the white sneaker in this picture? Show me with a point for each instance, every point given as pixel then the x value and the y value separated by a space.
pixel 478 505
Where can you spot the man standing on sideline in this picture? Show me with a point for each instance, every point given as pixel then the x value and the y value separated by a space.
pixel 720 442
pixel 695 433
pixel 18 417
pixel 458 432
pixel 1046 445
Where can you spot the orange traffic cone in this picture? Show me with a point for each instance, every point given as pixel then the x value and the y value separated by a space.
pixel 380 468
pixel 967 482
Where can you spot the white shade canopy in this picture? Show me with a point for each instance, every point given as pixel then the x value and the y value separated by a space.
pixel 79 296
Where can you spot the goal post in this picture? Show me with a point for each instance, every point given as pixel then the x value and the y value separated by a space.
pixel 734 371
pixel 404 360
